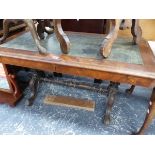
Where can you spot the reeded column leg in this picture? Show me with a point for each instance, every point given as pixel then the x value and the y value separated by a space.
pixel 61 36
pixel 150 114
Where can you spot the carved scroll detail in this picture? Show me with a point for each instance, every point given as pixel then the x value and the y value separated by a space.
pixel 33 31
pixel 41 27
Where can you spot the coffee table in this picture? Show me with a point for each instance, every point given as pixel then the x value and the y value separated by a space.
pixel 127 63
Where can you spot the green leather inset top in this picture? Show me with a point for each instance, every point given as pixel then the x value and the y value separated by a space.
pixel 82 45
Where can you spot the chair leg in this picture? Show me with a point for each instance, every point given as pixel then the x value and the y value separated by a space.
pixel 61 36
pixel 106 45
pixel 41 28
pixel 136 31
pixel 33 31
pixel 6 23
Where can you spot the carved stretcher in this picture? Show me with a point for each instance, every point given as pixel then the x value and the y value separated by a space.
pixel 127 63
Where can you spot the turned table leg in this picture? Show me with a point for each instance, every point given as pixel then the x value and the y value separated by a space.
pixel 150 114
pixel 33 84
pixel 112 90
pixel 61 36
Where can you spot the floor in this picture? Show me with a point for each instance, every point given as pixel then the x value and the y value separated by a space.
pixel 128 113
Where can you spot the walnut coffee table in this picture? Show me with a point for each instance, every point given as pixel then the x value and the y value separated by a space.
pixel 131 64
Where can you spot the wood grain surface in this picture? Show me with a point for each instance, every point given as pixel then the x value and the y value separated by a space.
pixel 70 102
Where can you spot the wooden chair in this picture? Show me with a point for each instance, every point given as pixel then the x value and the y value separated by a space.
pixel 116 25
pixel 34 32
pixel 111 27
